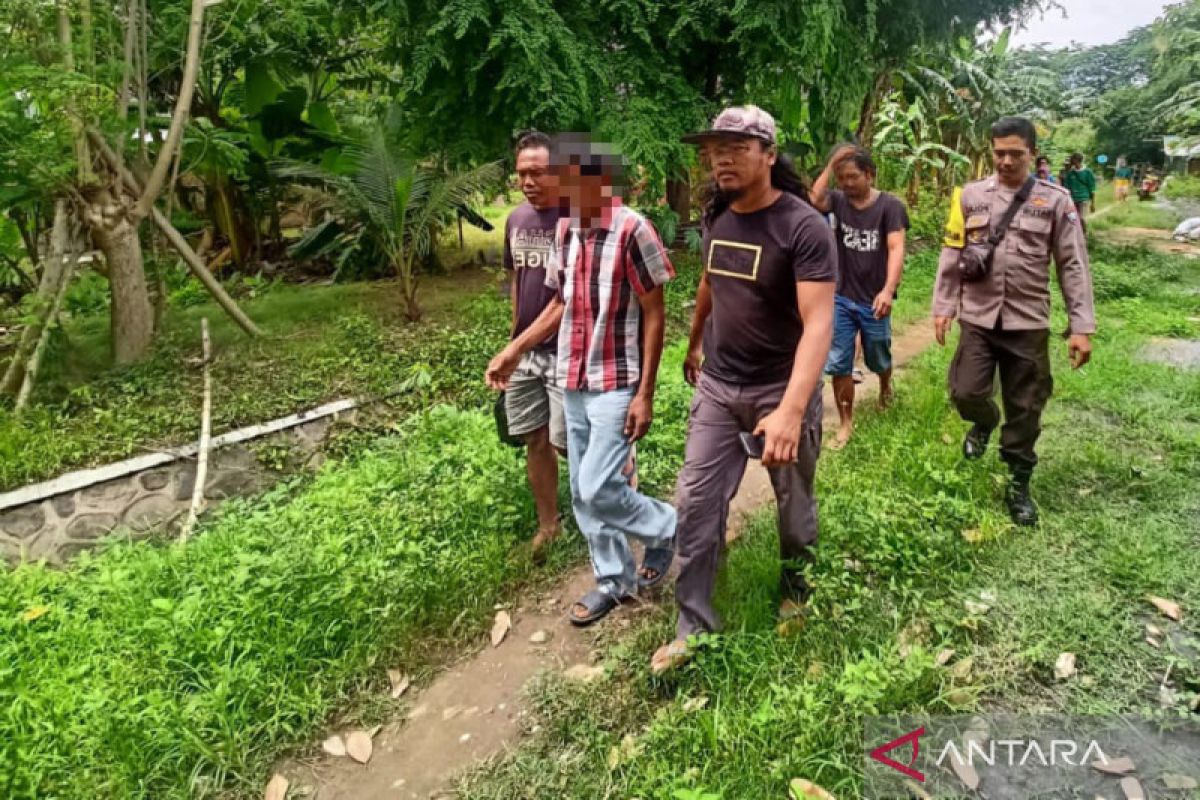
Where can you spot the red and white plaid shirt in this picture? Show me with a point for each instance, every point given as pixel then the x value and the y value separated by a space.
pixel 597 272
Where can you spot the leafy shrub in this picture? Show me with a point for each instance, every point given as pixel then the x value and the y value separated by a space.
pixel 168 672
pixel 665 221
pixel 928 218
pixel 1183 187
pixel 1119 273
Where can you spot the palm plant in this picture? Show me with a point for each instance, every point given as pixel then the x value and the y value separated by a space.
pixel 908 140
pixel 396 204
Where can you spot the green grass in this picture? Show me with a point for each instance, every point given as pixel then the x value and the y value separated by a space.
pixel 1133 214
pixel 184 671
pixel 320 343
pixel 909 533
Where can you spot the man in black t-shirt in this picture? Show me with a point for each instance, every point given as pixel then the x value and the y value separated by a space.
pixel 760 336
pixel 870 227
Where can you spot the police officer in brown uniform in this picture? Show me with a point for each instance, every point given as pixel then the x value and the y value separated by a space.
pixel 995 278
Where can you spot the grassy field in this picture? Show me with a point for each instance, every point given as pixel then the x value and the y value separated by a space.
pixel 1131 214
pixel 183 671
pixel 910 534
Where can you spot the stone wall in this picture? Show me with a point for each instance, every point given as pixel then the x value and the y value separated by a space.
pixel 153 501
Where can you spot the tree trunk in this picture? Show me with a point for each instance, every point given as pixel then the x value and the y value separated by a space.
pixel 408 287
pixel 679 198
pixel 176 240
pixel 866 115
pixel 35 360
pixel 226 208
pixel 52 271
pixel 132 314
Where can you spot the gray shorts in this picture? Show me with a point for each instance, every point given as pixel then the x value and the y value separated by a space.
pixel 534 400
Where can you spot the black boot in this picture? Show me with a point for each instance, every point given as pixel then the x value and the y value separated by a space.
pixel 1020 503
pixel 975 443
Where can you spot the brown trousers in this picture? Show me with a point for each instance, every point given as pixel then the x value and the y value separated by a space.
pixel 1023 358
pixel 713 467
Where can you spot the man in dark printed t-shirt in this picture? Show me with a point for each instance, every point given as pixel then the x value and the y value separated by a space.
pixel 534 400
pixel 870 228
pixel 760 337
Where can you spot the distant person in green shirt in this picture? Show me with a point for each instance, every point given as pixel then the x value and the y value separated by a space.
pixel 1124 180
pixel 1081 183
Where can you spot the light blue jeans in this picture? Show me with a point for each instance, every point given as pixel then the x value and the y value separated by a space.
pixel 607 510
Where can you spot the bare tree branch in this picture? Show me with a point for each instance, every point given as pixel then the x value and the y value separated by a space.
pixel 176 240
pixel 205 439
pixel 183 105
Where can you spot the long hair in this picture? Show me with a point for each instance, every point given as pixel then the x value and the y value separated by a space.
pixel 784 177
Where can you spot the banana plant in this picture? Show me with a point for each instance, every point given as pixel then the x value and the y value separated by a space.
pixel 396 204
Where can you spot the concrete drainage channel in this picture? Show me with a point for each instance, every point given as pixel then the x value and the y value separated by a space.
pixel 56 519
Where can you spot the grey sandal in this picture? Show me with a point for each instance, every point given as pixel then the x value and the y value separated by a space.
pixel 658 559
pixel 598 603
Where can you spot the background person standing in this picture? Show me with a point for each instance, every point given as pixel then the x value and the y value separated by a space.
pixel 870 229
pixel 534 400
pixel 1081 183
pixel 1004 317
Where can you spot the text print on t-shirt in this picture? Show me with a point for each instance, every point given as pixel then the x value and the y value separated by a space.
pixel 860 241
pixel 531 248
pixel 734 259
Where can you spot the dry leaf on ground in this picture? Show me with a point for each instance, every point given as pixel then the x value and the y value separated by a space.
pixel 965 772
pixel 583 673
pixel 1168 607
pixel 359 746
pixel 962 670
pixel 501 627
pixel 807 790
pixel 334 746
pixel 1132 789
pixel 1180 783
pixel 277 788
pixel 36 612
pixel 1115 766
pixel 943 657
pixel 400 683
pixel 1064 667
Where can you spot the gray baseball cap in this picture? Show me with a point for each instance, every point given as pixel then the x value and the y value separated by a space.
pixel 738 121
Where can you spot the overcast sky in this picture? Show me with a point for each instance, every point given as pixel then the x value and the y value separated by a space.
pixel 1090 22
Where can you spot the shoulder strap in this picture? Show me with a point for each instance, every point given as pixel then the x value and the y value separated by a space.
pixel 1001 229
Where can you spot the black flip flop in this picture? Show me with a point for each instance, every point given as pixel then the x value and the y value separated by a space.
pixel 658 559
pixel 598 602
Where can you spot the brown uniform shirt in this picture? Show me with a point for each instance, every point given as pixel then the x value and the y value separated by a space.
pixel 1016 295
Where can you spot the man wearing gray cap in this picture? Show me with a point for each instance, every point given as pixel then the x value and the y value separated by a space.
pixel 760 337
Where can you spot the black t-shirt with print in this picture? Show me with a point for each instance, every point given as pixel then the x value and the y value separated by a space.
pixel 754 262
pixel 861 236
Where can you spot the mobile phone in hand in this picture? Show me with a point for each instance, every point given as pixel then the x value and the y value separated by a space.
pixel 753 445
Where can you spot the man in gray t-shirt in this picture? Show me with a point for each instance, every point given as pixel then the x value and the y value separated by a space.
pixel 534 400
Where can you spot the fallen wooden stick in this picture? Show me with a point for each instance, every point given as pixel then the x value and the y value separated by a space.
pixel 35 360
pixel 205 439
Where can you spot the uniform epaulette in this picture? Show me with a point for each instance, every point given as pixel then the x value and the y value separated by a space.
pixel 1054 186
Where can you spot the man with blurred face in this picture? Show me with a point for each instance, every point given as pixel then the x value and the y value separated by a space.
pixel 870 228
pixel 608 268
pixel 760 336
pixel 1004 314
pixel 534 401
